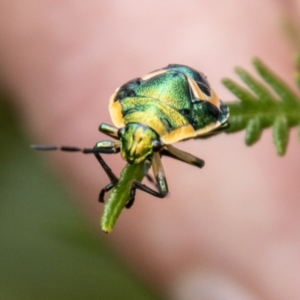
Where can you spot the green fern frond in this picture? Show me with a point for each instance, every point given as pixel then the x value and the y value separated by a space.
pixel 267 102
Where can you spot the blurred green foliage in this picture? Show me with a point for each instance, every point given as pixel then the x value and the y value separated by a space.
pixel 266 102
pixel 46 249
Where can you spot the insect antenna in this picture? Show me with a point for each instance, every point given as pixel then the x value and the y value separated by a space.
pixel 66 148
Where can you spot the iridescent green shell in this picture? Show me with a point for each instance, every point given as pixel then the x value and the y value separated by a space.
pixel 176 102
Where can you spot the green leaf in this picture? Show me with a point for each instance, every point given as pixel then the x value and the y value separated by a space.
pixel 259 89
pixel 280 134
pixel 268 102
pixel 121 194
pixel 244 95
pixel 278 85
pixel 253 131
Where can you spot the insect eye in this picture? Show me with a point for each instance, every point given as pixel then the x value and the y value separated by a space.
pixel 156 145
pixel 121 131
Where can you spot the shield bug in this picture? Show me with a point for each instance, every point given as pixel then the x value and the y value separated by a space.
pixel 149 114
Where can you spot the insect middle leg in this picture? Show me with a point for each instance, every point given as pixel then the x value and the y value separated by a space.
pixel 182 156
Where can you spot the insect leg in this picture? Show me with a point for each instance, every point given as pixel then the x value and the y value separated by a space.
pixel 151 179
pixel 137 185
pixel 106 189
pixel 159 174
pixel 131 200
pixel 160 177
pixel 182 156
pixel 108 147
pixel 109 130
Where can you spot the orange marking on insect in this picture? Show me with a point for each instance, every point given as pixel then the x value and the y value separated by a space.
pixel 115 110
pixel 153 74
pixel 196 90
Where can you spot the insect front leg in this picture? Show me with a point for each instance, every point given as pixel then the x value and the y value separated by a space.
pixel 160 177
pixel 109 130
pixel 106 189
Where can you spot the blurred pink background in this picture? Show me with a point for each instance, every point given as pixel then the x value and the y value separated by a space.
pixel 228 231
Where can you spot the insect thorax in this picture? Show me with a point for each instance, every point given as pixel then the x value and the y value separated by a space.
pixel 137 142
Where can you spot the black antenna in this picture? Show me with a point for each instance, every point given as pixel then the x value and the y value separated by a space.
pixel 70 149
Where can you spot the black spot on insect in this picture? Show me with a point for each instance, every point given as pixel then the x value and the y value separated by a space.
pixel 211 109
pixel 133 83
pixel 203 113
pixel 204 88
pixel 125 93
pixel 176 73
pixel 138 81
pixel 186 112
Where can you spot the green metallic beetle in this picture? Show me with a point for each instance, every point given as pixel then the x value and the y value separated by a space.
pixel 150 113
